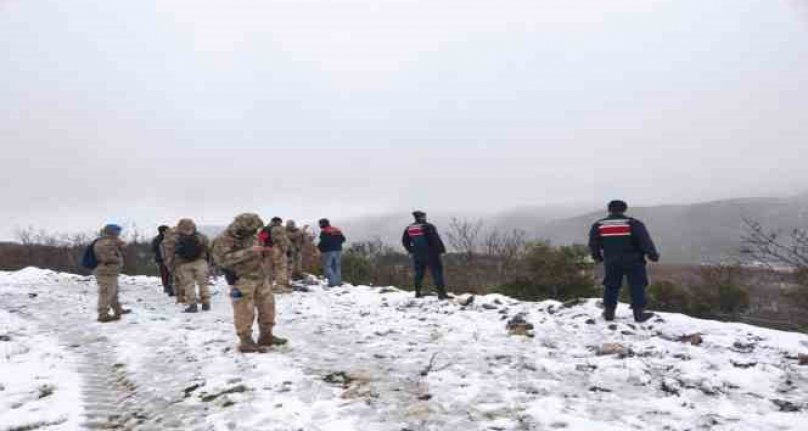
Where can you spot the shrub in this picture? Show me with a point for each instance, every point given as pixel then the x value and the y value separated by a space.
pixel 546 272
pixel 357 268
pixel 668 296
pixel 732 298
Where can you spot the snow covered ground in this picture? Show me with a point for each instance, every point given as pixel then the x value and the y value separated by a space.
pixel 373 358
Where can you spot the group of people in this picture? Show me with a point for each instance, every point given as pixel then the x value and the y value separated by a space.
pixel 258 259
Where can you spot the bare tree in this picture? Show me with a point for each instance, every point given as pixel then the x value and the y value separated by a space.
pixel 463 235
pixel 25 235
pixel 773 248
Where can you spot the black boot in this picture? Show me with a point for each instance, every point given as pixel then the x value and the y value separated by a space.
pixel 442 293
pixel 418 293
pixel 608 313
pixel 640 315
pixel 205 307
pixel 191 309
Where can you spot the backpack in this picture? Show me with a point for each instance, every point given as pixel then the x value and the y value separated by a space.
pixel 266 237
pixel 189 247
pixel 88 260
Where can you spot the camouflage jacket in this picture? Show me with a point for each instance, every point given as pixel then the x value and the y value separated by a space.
pixel 109 254
pixel 297 237
pixel 232 250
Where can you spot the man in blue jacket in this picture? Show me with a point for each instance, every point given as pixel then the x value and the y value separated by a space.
pixel 330 246
pixel 622 243
pixel 423 243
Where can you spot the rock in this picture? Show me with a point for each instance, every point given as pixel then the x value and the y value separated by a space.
pixel 519 326
pixel 803 359
pixel 234 390
pixel 465 302
pixel 190 389
pixel 668 386
pixel 573 303
pixel 490 306
pixel 5 337
pixel 387 290
pixel 586 367
pixel 425 397
pixel 741 347
pixel 32 295
pixel 694 339
pixel 598 389
pixel 339 378
pixel 591 321
pixel 787 406
pixel 45 391
pixel 743 365
pixel 612 349
pixel 612 327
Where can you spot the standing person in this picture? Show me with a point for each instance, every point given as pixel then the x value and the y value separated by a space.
pixel 273 236
pixel 330 246
pixel 238 253
pixel 108 252
pixel 297 237
pixel 169 247
pixel 157 250
pixel 423 243
pixel 191 263
pixel 622 243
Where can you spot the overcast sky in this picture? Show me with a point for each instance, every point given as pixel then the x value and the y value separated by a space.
pixel 148 111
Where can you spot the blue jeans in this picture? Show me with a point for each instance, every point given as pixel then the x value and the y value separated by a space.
pixel 332 266
pixel 637 277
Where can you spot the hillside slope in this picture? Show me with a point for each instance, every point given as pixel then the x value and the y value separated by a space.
pixel 376 359
pixel 687 233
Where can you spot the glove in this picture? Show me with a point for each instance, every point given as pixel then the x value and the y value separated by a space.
pixel 653 258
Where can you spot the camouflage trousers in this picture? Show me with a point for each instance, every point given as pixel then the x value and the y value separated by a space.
pixel 194 274
pixel 176 281
pixel 249 295
pixel 107 294
pixel 278 268
pixel 295 264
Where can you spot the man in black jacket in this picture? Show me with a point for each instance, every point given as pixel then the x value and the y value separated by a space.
pixel 157 250
pixel 423 243
pixel 622 243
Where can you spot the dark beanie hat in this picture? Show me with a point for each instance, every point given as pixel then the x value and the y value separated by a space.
pixel 419 214
pixel 324 222
pixel 618 207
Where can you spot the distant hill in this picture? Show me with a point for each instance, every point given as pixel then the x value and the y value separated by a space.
pixel 696 233
pixel 686 233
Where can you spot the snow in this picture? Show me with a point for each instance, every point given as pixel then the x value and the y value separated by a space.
pixel 371 358
pixel 37 383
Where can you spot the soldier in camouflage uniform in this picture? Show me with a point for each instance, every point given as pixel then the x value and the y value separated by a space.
pixel 169 247
pixel 237 252
pixel 191 262
pixel 297 237
pixel 274 236
pixel 108 250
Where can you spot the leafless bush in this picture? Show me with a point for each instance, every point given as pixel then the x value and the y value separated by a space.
pixel 463 236
pixel 774 248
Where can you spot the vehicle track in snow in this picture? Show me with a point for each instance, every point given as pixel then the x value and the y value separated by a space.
pixel 113 396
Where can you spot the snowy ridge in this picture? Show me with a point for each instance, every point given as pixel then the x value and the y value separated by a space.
pixel 373 358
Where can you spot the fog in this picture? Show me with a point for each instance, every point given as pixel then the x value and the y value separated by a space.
pixel 145 112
